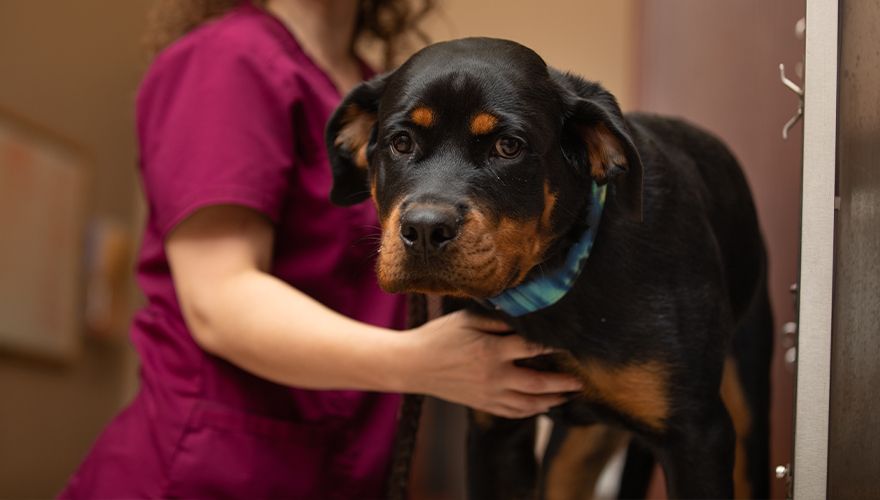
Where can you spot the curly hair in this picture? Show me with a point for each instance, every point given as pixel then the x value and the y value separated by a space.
pixel 388 22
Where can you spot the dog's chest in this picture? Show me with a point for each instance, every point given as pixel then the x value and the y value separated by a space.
pixel 632 389
pixel 635 391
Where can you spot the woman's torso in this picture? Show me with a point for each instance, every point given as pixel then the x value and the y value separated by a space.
pixel 210 428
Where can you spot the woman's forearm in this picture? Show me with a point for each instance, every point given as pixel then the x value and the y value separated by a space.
pixel 263 325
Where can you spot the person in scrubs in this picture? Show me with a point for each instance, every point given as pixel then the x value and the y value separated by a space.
pixel 271 362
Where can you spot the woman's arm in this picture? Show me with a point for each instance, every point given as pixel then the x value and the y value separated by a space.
pixel 219 259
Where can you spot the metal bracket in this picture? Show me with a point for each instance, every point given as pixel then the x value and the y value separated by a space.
pixel 785 472
pixel 800 109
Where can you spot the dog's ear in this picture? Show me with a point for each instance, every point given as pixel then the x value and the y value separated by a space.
pixel 597 138
pixel 350 135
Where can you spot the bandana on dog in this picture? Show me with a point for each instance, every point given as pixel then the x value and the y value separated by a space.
pixel 546 290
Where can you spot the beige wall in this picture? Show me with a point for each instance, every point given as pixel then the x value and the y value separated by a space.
pixel 72 67
pixel 595 39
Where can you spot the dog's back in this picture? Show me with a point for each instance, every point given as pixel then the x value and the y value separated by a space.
pixel 725 198
pixel 721 188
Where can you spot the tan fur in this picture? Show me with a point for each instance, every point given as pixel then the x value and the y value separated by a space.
pixel 390 250
pixel 373 193
pixel 604 151
pixel 482 419
pixel 549 206
pixel 483 123
pixel 737 407
pixel 422 116
pixel 638 390
pixel 575 469
pixel 354 133
pixel 518 240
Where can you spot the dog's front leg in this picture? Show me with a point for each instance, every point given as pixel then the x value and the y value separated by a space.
pixel 501 458
pixel 576 457
pixel 698 457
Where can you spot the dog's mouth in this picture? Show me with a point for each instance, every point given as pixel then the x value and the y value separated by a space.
pixel 478 276
pixel 485 258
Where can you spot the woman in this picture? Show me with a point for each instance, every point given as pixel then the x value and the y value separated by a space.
pixel 264 321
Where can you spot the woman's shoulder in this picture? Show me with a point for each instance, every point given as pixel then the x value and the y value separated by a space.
pixel 244 38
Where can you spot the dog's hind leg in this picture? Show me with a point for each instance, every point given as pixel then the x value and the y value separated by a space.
pixel 501 458
pixel 746 392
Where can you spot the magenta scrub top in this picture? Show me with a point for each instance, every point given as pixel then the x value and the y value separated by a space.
pixel 234 113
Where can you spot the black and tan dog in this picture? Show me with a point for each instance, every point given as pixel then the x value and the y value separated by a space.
pixel 630 241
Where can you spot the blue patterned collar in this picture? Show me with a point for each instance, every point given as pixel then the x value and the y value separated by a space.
pixel 544 291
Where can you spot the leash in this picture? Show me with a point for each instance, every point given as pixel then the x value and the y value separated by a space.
pixel 410 414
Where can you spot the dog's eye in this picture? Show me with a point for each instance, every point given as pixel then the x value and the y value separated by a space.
pixel 508 147
pixel 402 143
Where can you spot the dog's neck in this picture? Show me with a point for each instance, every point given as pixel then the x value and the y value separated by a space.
pixel 544 288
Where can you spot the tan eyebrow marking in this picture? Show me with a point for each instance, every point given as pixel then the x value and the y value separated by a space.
pixel 422 116
pixel 483 123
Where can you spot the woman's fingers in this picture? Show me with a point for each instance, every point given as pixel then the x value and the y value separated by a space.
pixel 470 322
pixel 529 392
pixel 516 405
pixel 533 382
pixel 513 347
pixel 486 324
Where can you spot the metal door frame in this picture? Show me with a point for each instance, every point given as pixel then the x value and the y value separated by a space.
pixel 810 464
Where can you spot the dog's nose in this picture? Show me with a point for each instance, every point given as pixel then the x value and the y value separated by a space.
pixel 428 229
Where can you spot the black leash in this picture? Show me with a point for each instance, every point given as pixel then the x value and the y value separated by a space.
pixel 410 413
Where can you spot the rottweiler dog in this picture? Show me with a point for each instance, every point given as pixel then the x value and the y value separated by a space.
pixel 629 241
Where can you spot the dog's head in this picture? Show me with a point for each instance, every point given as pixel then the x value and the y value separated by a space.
pixel 479 159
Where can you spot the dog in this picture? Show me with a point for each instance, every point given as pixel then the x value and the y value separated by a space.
pixel 630 242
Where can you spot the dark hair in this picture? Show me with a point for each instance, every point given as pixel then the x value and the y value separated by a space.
pixel 386 21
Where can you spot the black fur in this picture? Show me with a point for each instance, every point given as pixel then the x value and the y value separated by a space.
pixel 677 275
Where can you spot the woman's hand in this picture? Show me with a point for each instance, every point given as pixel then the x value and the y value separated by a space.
pixel 466 359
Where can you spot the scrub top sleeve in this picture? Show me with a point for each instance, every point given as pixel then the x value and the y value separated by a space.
pixel 215 128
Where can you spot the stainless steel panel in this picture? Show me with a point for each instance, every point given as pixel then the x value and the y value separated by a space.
pixel 854 439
